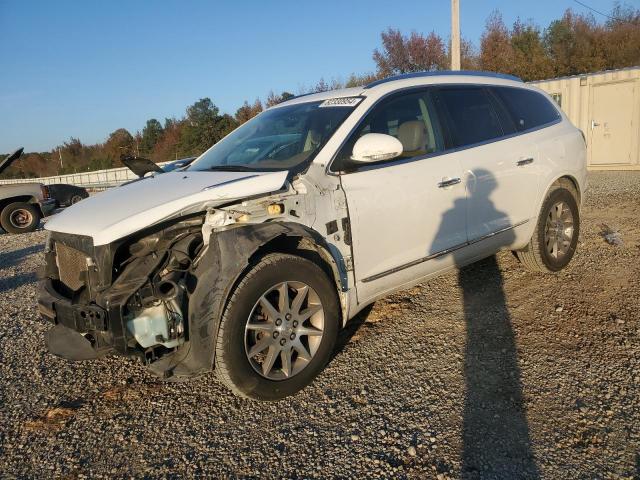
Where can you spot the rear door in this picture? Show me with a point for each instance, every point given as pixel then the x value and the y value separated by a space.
pixel 499 166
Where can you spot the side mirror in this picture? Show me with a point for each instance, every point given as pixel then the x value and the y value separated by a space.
pixel 376 147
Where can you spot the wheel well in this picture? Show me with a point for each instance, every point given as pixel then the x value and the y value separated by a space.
pixel 22 198
pixel 303 247
pixel 571 184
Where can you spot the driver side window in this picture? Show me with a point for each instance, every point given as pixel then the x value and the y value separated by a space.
pixel 409 117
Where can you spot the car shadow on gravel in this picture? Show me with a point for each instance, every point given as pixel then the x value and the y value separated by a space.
pixel 349 331
pixel 11 283
pixel 10 259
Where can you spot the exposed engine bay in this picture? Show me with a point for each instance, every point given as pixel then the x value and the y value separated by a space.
pixel 158 295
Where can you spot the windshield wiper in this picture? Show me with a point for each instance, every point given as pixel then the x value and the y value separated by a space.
pixel 231 168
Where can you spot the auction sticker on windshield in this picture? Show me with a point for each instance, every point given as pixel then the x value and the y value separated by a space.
pixel 341 102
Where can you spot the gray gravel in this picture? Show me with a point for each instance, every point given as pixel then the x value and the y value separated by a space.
pixel 492 372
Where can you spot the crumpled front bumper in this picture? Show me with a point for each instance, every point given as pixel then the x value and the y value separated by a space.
pixel 80 331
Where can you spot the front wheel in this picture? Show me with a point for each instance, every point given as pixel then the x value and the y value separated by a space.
pixel 279 328
pixel 555 238
pixel 20 217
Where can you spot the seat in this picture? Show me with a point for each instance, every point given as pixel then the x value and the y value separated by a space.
pixel 413 136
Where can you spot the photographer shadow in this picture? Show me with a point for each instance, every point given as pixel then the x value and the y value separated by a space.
pixel 496 440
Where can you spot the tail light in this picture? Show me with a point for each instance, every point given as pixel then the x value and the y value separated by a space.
pixel 45 191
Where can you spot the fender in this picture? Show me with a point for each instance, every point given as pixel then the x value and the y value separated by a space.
pixel 219 268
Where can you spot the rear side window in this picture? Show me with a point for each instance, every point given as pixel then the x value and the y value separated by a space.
pixel 472 115
pixel 527 108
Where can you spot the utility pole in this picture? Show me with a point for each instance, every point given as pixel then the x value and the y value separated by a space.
pixel 60 155
pixel 455 34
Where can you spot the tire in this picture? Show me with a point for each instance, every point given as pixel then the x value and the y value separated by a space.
pixel 20 217
pixel 539 255
pixel 75 199
pixel 244 328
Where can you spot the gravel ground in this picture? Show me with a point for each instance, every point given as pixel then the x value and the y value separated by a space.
pixel 490 372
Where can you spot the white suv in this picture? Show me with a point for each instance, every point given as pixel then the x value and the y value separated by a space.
pixel 250 260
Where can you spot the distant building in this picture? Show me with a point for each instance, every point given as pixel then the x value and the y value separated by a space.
pixel 606 107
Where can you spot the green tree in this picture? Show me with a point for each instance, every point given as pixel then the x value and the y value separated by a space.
pixel 575 44
pixel 151 133
pixel 531 61
pixel 203 127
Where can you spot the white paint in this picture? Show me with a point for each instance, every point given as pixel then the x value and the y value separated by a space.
pixel 399 213
pixel 374 147
pixel 121 211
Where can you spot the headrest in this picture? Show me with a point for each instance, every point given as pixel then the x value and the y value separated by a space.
pixel 412 135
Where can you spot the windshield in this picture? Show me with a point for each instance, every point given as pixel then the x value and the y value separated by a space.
pixel 277 139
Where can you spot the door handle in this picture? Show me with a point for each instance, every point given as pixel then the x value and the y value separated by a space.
pixel 524 161
pixel 594 124
pixel 447 183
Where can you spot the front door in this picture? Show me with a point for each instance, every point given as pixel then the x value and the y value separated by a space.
pixel 612 124
pixel 401 212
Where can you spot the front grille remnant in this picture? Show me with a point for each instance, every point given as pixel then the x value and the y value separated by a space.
pixel 71 265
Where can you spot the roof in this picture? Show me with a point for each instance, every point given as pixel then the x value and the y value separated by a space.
pixel 407 79
pixel 444 73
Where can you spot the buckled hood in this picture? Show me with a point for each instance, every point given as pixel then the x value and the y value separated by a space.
pixel 121 211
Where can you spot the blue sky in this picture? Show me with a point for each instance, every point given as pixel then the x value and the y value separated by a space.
pixel 85 68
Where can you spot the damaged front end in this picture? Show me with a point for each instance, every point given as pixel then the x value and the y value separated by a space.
pixel 159 296
pixel 127 297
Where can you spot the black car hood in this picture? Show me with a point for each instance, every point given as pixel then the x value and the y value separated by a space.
pixel 4 164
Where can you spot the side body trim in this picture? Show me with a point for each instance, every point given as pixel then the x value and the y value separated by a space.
pixel 439 254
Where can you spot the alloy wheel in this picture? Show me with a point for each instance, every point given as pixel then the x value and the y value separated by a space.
pixel 559 230
pixel 284 330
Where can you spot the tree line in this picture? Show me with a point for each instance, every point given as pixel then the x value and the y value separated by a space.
pixel 574 44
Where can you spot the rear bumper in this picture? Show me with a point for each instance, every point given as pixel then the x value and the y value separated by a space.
pixel 47 206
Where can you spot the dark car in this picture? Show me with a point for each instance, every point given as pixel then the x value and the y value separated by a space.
pixel 66 195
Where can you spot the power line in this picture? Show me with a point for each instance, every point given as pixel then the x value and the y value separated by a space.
pixel 603 14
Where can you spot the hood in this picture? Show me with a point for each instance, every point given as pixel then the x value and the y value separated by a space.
pixel 121 211
pixel 4 164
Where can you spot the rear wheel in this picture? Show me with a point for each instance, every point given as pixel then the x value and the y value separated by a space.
pixel 279 328
pixel 20 217
pixel 555 238
pixel 75 199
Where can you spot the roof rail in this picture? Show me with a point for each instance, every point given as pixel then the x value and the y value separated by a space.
pixel 468 73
